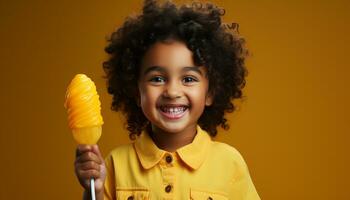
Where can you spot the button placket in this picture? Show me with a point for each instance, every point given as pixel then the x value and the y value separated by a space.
pixel 168 173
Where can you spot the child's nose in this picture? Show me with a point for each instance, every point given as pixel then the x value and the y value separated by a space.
pixel 172 90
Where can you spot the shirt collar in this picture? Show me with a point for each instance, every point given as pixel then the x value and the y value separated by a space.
pixel 192 154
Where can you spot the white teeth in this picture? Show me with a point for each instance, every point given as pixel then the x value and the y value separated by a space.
pixel 174 111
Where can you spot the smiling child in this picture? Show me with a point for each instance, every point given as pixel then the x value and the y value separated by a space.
pixel 173 71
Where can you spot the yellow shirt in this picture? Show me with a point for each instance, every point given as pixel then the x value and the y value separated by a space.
pixel 202 170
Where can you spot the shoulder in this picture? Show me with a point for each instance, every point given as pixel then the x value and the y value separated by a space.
pixel 227 153
pixel 122 149
pixel 226 149
pixel 120 152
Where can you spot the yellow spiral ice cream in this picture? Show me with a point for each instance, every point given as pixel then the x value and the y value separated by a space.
pixel 84 110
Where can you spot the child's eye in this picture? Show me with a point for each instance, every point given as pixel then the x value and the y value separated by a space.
pixel 157 79
pixel 189 79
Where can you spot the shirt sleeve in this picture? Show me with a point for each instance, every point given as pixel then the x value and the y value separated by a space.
pixel 109 185
pixel 242 186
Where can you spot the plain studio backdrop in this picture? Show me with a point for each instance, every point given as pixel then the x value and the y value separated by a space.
pixel 292 127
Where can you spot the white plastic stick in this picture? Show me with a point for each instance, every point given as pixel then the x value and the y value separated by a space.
pixel 92 188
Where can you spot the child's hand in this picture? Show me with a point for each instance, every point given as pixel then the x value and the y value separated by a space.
pixel 89 163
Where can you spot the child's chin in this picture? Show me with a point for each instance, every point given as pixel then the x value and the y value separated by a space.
pixel 173 128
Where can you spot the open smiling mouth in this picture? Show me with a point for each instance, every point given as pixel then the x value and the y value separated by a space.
pixel 173 112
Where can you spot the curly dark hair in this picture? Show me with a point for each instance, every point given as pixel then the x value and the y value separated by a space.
pixel 199 26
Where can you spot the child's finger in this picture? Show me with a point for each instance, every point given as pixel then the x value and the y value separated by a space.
pixel 89 165
pixel 88 156
pixel 88 174
pixel 85 177
pixel 82 148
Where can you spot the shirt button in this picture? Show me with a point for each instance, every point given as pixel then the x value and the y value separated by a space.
pixel 131 198
pixel 168 188
pixel 169 159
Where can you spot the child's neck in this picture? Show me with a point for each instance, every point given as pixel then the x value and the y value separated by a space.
pixel 172 141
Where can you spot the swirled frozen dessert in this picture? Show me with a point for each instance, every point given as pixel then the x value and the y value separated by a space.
pixel 84 110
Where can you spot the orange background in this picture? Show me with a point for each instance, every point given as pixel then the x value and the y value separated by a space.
pixel 292 129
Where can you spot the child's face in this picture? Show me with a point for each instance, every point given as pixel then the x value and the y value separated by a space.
pixel 173 91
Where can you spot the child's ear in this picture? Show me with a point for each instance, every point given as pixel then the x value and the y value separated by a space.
pixel 209 99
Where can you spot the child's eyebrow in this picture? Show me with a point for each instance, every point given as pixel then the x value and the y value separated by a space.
pixel 154 68
pixel 194 68
pixel 162 70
